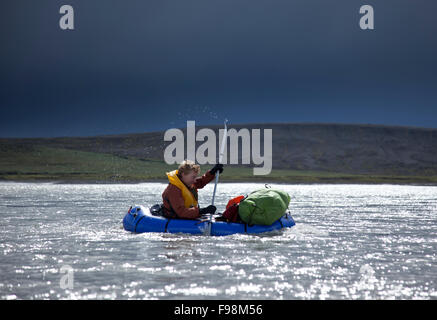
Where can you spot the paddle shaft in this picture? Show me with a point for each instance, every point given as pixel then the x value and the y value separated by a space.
pixel 215 186
pixel 217 174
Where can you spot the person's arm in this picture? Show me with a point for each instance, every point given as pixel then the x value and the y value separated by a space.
pixel 174 197
pixel 203 180
pixel 207 177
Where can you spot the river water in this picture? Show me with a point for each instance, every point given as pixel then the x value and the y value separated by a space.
pixel 66 241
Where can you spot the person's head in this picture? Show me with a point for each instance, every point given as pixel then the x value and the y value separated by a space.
pixel 188 172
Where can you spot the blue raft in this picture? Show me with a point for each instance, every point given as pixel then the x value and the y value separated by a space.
pixel 139 220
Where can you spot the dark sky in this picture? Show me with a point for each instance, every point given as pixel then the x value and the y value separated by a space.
pixel 146 65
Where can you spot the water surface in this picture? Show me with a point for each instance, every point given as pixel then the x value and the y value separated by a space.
pixel 349 242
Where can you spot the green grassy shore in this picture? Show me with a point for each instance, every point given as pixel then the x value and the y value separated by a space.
pixel 41 163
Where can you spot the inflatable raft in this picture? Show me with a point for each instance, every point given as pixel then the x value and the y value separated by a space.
pixel 139 219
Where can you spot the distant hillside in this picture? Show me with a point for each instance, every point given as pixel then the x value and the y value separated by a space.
pixel 339 148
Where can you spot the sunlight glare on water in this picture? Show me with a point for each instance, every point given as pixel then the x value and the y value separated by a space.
pixel 349 242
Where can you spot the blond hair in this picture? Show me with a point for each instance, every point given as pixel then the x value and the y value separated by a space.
pixel 187 166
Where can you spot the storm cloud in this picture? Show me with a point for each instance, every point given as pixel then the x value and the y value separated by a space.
pixel 135 66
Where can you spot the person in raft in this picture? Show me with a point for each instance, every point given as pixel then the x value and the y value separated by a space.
pixel 180 197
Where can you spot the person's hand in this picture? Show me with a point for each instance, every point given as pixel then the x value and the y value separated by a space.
pixel 217 167
pixel 209 209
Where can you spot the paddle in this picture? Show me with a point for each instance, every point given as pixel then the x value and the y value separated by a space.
pixel 217 174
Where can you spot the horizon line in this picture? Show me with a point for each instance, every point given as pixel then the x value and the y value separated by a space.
pixel 230 125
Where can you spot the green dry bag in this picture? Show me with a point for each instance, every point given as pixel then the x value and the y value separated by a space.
pixel 264 206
